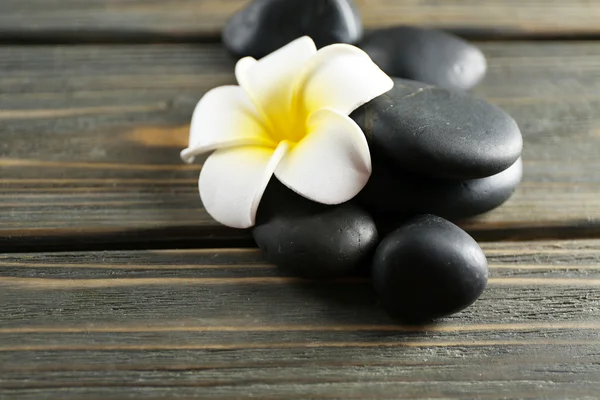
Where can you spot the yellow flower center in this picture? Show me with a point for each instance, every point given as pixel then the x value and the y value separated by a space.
pixel 286 123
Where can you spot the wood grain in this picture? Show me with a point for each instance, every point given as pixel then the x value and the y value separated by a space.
pixel 249 335
pixel 89 160
pixel 91 137
pixel 84 20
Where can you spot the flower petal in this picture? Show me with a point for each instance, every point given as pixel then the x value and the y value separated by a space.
pixel 242 66
pixel 331 164
pixel 225 117
pixel 233 181
pixel 342 78
pixel 270 81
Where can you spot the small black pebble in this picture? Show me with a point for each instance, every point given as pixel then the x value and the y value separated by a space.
pixel 426 55
pixel 439 133
pixel 266 25
pixel 312 240
pixel 399 193
pixel 428 268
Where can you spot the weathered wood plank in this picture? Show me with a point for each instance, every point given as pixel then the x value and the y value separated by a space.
pixel 91 136
pixel 91 142
pixel 359 381
pixel 77 20
pixel 223 324
pixel 551 279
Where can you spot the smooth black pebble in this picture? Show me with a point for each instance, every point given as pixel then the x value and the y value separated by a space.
pixel 429 268
pixel 266 25
pixel 312 240
pixel 440 133
pixel 426 55
pixel 402 194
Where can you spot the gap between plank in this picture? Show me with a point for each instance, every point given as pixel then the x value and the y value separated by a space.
pixel 206 237
pixel 100 37
pixel 299 345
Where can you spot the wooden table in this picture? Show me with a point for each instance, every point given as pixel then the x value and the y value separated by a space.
pixel 115 283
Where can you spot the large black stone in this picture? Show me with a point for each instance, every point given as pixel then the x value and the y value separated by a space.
pixel 439 133
pixel 266 25
pixel 401 194
pixel 310 239
pixel 428 268
pixel 426 55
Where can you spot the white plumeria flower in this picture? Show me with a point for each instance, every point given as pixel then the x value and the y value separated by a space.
pixel 288 117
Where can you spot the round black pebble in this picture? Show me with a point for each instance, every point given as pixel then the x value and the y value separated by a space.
pixel 426 55
pixel 439 133
pixel 429 268
pixel 402 194
pixel 311 240
pixel 266 25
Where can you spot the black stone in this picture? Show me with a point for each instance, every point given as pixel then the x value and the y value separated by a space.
pixel 312 240
pixel 429 268
pixel 426 55
pixel 439 133
pixel 266 25
pixel 403 194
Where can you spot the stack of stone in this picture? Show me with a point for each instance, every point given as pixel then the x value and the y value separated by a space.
pixel 438 154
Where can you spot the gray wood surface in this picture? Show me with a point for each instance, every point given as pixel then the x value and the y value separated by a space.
pixel 77 20
pixel 91 137
pixel 221 323
pixel 89 143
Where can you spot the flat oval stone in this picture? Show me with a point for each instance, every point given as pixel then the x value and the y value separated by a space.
pixel 266 25
pixel 428 268
pixel 426 55
pixel 312 240
pixel 403 194
pixel 439 133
